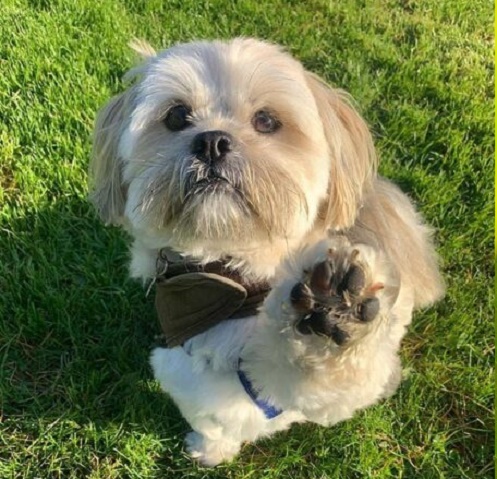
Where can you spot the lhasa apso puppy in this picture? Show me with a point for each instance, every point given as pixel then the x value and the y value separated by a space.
pixel 286 271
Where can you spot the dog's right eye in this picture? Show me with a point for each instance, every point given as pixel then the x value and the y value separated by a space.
pixel 178 118
pixel 264 122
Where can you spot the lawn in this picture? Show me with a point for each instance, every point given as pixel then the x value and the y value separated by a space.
pixel 77 398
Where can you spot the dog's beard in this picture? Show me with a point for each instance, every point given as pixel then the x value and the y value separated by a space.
pixel 194 200
pixel 214 204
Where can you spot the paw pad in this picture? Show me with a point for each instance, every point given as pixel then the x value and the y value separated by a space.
pixel 302 298
pixel 321 277
pixel 369 309
pixel 336 297
pixel 354 280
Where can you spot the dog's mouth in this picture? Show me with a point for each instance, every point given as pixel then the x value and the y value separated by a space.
pixel 213 179
pixel 208 181
pixel 212 184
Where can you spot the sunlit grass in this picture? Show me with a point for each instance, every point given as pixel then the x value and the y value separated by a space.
pixel 77 398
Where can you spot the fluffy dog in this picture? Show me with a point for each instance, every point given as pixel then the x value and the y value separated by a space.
pixel 233 152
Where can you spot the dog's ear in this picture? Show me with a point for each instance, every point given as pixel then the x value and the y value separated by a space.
pixel 353 157
pixel 108 192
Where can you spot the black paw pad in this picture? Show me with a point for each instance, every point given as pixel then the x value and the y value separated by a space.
pixel 320 323
pixel 369 309
pixel 317 322
pixel 301 298
pixel 339 336
pixel 354 281
pixel 321 278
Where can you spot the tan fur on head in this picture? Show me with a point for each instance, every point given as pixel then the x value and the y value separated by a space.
pixel 277 180
pixel 353 157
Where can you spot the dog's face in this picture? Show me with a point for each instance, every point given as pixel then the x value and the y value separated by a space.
pixel 228 142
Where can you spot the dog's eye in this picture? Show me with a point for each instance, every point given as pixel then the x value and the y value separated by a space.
pixel 264 122
pixel 177 118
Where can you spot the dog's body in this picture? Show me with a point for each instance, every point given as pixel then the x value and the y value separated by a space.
pixel 232 150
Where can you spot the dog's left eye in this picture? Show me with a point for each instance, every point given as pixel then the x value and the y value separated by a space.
pixel 177 118
pixel 264 122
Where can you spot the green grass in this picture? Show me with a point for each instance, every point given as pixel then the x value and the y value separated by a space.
pixel 77 399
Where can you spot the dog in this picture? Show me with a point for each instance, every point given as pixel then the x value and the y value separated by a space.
pixel 231 153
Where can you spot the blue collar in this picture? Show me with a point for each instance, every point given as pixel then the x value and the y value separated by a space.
pixel 268 410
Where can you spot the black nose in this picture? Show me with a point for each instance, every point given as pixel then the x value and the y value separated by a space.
pixel 212 146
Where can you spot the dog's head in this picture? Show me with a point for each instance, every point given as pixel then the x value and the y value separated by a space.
pixel 228 141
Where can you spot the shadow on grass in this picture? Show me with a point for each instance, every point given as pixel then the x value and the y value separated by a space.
pixel 77 333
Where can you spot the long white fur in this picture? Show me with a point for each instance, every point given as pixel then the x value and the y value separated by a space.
pixel 313 177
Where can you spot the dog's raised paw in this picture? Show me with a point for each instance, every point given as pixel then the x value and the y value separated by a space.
pixel 337 297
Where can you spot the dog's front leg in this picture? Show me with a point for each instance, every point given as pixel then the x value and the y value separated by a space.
pixel 215 405
pixel 210 451
pixel 218 349
pixel 341 312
